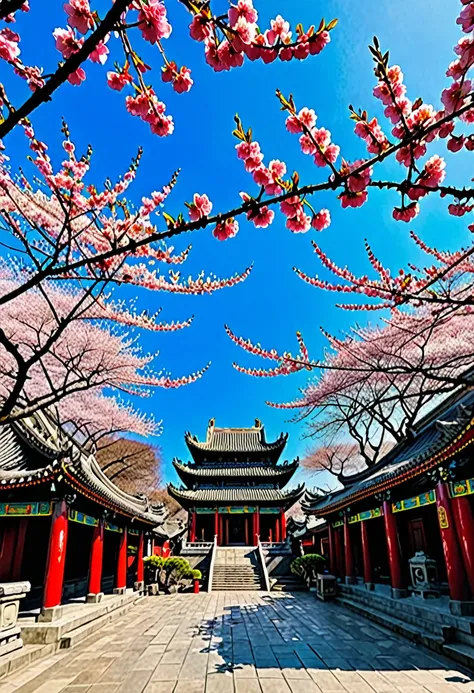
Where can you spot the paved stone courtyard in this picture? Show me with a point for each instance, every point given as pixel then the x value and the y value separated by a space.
pixel 241 642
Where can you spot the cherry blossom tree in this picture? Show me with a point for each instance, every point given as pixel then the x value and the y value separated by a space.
pixel 374 384
pixel 133 465
pixel 228 40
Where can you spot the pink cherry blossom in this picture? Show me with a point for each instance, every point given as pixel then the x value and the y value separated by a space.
pixel 118 80
pixel 200 27
pixel 9 49
pixel 280 29
pixel 459 210
pixel 466 18
pixel 349 199
pixel 262 217
pixel 183 82
pixel 300 223
pixel 321 220
pixel 153 22
pixel 77 77
pixel 79 15
pixel 245 9
pixel 455 144
pixel 406 213
pixel 226 229
pixel 66 42
pixel 200 207
pixel 372 134
pixel 100 53
pixel 318 41
pixel 357 182
pixel 454 97
pixel 262 176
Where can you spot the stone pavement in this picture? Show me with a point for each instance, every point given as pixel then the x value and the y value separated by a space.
pixel 241 642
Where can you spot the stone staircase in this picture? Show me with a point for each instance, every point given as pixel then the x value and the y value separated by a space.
pixel 236 569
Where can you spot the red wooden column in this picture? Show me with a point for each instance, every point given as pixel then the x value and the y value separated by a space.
pixel 277 528
pixel 121 576
pixel 192 533
pixel 283 525
pixel 339 554
pixel 221 530
pixel 140 584
pixel 247 533
pixel 394 553
pixel 464 520
pixel 216 525
pixel 348 557
pixel 332 549
pixel 54 579
pixel 458 590
pixel 367 560
pixel 94 592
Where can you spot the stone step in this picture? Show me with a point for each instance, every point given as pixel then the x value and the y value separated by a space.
pixel 460 652
pixel 433 642
pixel 74 637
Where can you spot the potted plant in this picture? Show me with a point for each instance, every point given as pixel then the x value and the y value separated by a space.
pixel 196 576
pixel 307 567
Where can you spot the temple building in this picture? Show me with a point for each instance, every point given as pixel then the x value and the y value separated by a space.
pixel 234 487
pixel 408 522
pixel 64 526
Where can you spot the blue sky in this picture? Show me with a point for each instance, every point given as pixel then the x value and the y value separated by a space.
pixel 273 303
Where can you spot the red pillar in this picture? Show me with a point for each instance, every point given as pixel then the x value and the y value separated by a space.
pixel 216 525
pixel 221 530
pixel 53 588
pixel 348 556
pixel 368 576
pixel 192 533
pixel 283 525
pixel 332 549
pixel 95 570
pixel 277 528
pixel 464 520
pixel 458 590
pixel 121 577
pixel 247 533
pixel 393 548
pixel 339 554
pixel 140 566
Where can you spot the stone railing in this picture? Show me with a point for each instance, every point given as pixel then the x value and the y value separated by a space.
pixel 263 565
pixel 211 565
pixel 196 547
pixel 10 595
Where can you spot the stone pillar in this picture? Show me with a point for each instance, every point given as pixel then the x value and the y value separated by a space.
pixel 368 575
pixel 140 583
pixel 458 590
pixel 10 632
pixel 332 549
pixel 121 576
pixel 348 557
pixel 394 553
pixel 464 520
pixel 94 592
pixel 54 579
pixel 283 525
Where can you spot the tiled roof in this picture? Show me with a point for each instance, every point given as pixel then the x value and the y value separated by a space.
pixel 35 449
pixel 249 494
pixel 236 470
pixel 235 440
pixel 439 432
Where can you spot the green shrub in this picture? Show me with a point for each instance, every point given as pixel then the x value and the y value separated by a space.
pixel 308 566
pixel 196 574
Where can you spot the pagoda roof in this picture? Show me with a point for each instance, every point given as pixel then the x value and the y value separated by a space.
pixel 231 495
pixel 36 450
pixel 193 472
pixel 235 440
pixel 437 438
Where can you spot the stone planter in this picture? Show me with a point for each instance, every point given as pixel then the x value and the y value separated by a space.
pixel 10 595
